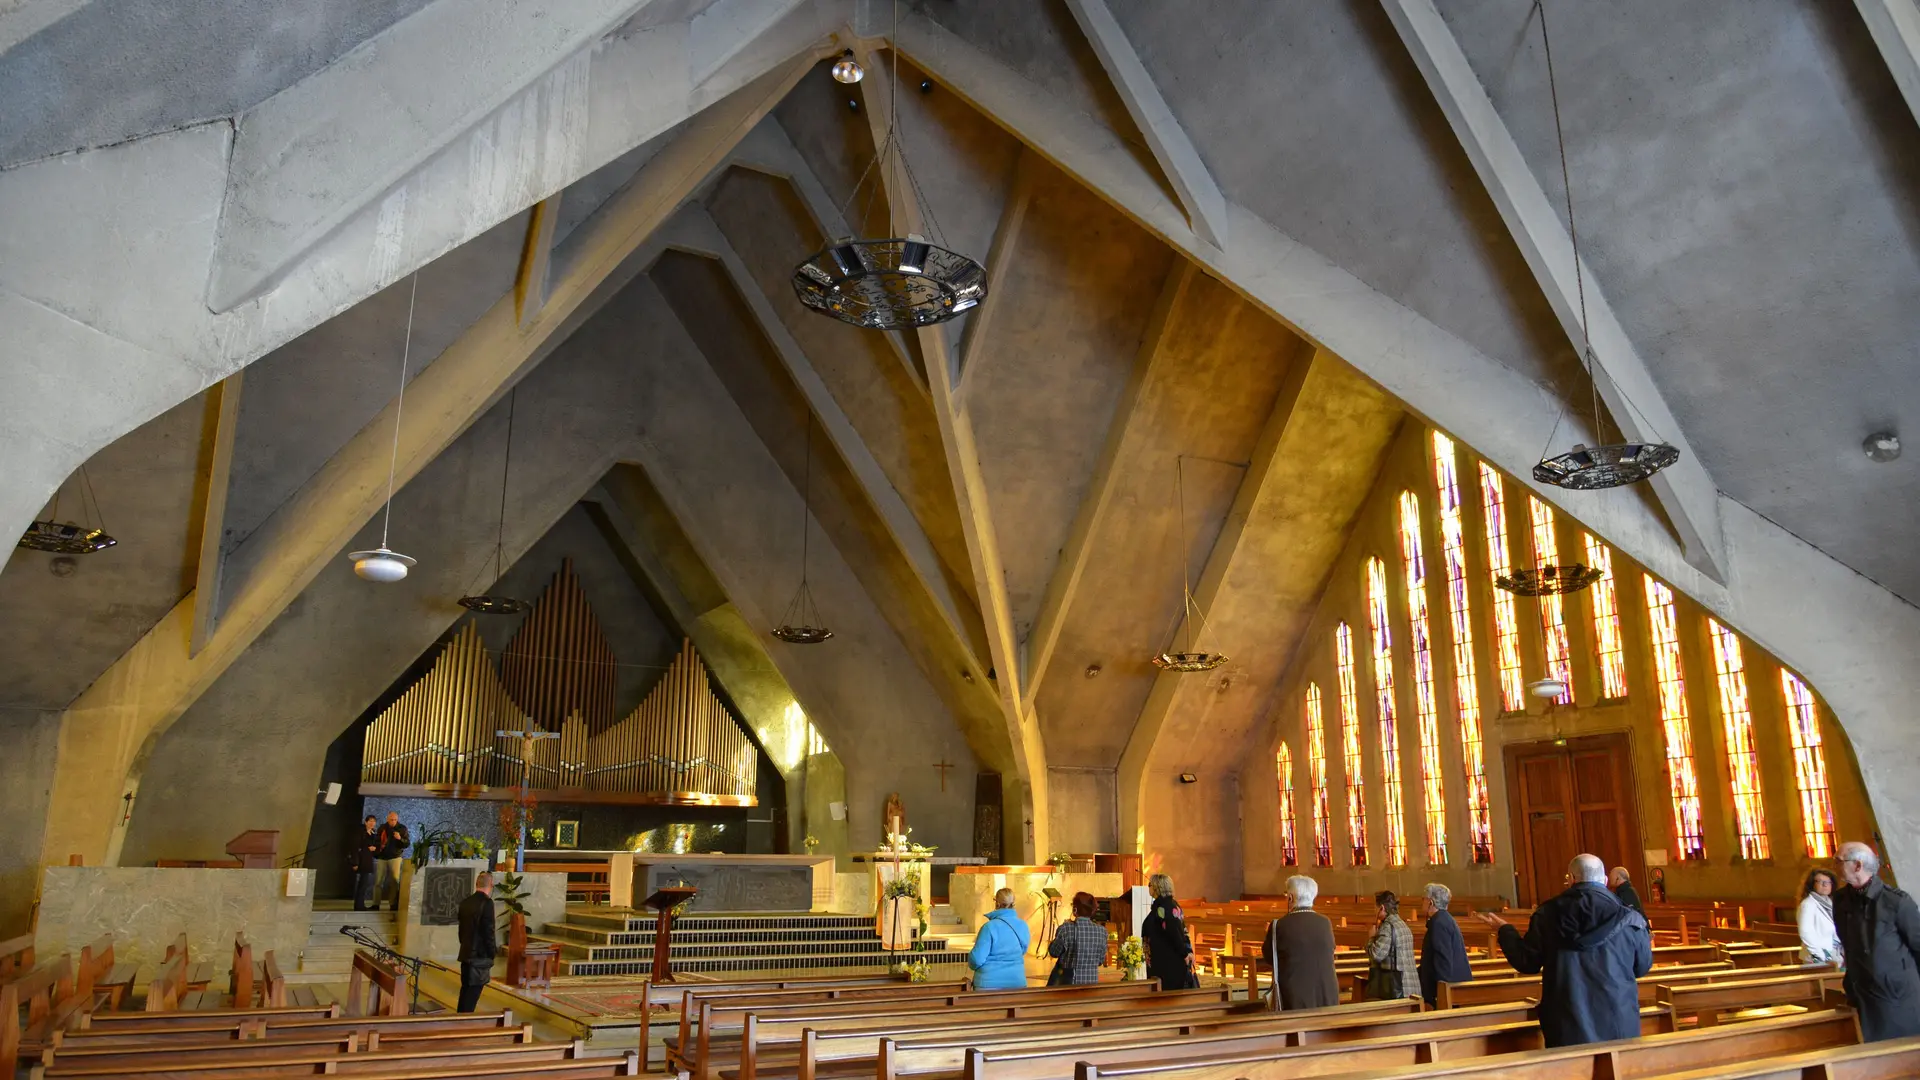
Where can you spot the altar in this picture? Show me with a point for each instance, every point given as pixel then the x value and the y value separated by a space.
pixel 726 882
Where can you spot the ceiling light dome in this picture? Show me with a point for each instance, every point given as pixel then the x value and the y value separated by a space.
pixel 1882 446
pixel 1550 689
pixel 847 69
pixel 381 564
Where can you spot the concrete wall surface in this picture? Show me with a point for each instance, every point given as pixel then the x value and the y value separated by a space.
pixel 145 908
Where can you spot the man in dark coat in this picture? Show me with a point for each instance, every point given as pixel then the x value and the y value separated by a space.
pixel 1880 936
pixel 477 942
pixel 1443 952
pixel 393 847
pixel 1588 949
pixel 1299 947
pixel 361 856
pixel 1620 883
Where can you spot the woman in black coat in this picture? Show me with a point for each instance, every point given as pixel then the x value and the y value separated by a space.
pixel 1164 933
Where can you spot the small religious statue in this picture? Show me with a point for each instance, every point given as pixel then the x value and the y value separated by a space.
pixel 893 820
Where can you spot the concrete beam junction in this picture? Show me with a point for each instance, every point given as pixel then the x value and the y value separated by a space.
pixel 212 562
pixel 1895 26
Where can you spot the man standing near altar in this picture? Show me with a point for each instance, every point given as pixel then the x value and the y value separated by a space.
pixel 477 942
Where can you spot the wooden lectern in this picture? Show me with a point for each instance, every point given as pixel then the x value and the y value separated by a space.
pixel 664 901
pixel 255 848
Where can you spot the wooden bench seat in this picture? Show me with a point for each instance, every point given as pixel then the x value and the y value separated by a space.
pixel 225 1051
pixel 1705 1002
pixel 240 1061
pixel 278 1023
pixel 1485 991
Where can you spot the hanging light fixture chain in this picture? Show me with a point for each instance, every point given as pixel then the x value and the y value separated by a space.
pixel 399 405
pixel 86 487
pixel 506 466
pixel 806 498
pixel 1186 584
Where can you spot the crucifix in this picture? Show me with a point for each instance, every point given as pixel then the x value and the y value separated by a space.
pixel 528 737
pixel 943 766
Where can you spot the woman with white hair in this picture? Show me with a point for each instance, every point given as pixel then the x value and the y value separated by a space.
pixel 1299 948
pixel 1443 952
pixel 1164 933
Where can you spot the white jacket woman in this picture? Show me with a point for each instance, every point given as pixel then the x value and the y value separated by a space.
pixel 1819 941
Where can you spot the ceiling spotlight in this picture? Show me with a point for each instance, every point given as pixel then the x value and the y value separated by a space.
pixel 1547 688
pixel 1093 669
pixel 381 564
pixel 1189 778
pixel 965 675
pixel 848 70
pixel 63 566
pixel 926 86
pixel 1882 446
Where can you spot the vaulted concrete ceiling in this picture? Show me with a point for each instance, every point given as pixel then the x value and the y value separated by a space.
pixel 1231 241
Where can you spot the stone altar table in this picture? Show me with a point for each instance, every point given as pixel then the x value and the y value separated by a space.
pixel 726 882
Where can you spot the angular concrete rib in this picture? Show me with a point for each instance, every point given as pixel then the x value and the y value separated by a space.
pixel 1206 207
pixel 970 492
pixel 1006 241
pixel 1093 508
pixel 536 259
pixel 1207 592
pixel 213 524
pixel 1685 490
pixel 310 156
pixel 693 230
pixel 109 729
pixel 1895 26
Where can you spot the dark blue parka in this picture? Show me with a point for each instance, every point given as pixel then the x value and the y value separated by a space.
pixel 1588 949
pixel 1443 955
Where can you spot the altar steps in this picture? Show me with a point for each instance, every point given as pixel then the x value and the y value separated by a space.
pixel 610 942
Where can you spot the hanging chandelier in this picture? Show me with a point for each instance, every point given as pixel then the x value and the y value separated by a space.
pixel 1188 658
pixel 487 603
pixel 1549 580
pixel 899 282
pixel 1609 465
pixel 383 564
pixel 802 625
pixel 65 537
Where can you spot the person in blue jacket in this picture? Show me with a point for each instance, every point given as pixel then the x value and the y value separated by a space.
pixel 998 958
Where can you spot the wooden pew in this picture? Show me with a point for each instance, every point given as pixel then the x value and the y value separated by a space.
pixel 1488 991
pixel 1706 1001
pixel 281 1023
pixel 169 984
pixel 197 974
pixel 224 1052
pixel 241 1062
pixel 1630 1059
pixel 201 1019
pixel 1765 957
pixel 1892 1060
pixel 376 987
pixel 30 1007
pixel 686 997
pixel 111 982
pixel 16 957
pixel 1728 935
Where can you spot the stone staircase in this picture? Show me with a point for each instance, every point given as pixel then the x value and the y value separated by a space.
pixel 328 955
pixel 606 941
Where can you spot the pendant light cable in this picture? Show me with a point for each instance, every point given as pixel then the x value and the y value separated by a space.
pixel 500 536
pixel 399 406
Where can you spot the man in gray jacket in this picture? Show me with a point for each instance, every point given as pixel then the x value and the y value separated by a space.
pixel 1589 950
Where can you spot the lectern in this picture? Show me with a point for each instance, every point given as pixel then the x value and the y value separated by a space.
pixel 255 848
pixel 664 901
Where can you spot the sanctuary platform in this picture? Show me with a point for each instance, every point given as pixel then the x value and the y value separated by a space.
pixel 762 883
pixel 598 940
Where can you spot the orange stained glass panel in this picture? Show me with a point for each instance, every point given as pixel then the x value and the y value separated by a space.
pixel 1317 769
pixel 1609 649
pixel 1425 697
pixel 1743 758
pixel 1683 783
pixel 1553 620
pixel 1389 723
pixel 1466 688
pixel 1506 623
pixel 1283 773
pixel 1809 766
pixel 1350 744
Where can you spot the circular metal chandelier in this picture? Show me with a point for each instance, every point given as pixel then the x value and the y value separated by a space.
pixel 485 603
pixel 802 625
pixel 1187 662
pixel 1549 580
pixel 65 537
pixel 1610 465
pixel 894 284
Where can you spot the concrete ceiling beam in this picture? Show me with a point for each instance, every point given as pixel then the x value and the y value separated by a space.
pixel 970 495
pixel 1227 547
pixel 1206 208
pixel 1125 438
pixel 536 259
pixel 695 231
pixel 1000 255
pixel 769 149
pixel 24 18
pixel 209 567
pixel 1895 27
pixel 113 725
pixel 1685 490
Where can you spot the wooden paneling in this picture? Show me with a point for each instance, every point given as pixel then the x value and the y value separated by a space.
pixel 1567 797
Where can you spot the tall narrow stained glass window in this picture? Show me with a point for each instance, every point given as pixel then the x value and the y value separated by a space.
pixel 1350 744
pixel 1506 624
pixel 1466 688
pixel 1743 758
pixel 1553 619
pixel 1317 777
pixel 1283 774
pixel 1609 649
pixel 1425 697
pixel 1389 722
pixel 1809 766
pixel 1684 784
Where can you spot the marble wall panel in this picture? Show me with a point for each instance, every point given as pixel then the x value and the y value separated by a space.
pixel 145 908
pixel 547 904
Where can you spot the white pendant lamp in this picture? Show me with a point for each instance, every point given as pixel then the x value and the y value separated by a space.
pixel 383 564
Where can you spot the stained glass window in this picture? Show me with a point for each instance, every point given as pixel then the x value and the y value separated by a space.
pixel 1608 647
pixel 1426 699
pixel 1809 766
pixel 1389 726
pixel 1350 744
pixel 1283 771
pixel 1317 767
pixel 1506 625
pixel 1664 631
pixel 1553 621
pixel 1743 758
pixel 1466 689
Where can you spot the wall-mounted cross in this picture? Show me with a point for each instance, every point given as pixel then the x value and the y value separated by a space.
pixel 943 766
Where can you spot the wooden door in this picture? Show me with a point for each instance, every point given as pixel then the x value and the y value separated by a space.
pixel 1566 798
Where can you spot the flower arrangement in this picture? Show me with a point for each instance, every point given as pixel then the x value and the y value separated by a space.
pixel 917 970
pixel 1059 860
pixel 1133 954
pixel 907 884
pixel 810 843
pixel 902 844
pixel 538 836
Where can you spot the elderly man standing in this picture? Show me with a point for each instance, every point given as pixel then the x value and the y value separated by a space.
pixel 1300 949
pixel 1443 952
pixel 1620 883
pixel 1880 936
pixel 1589 949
